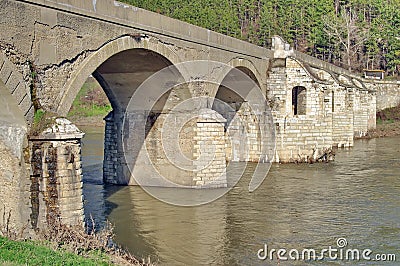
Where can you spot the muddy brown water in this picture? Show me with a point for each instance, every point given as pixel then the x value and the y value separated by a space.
pixel 357 197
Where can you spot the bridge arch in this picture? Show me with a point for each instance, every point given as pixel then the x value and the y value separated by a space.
pixel 13 141
pixel 248 68
pixel 120 67
pixel 242 124
pixel 114 50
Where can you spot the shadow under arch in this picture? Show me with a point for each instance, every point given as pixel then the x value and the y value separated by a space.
pixel 232 92
pixel 248 67
pixel 240 101
pixel 120 76
pixel 98 58
pixel 124 72
pixel 299 100
pixel 120 67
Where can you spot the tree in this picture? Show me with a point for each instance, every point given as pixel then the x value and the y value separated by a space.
pixel 345 31
pixel 356 33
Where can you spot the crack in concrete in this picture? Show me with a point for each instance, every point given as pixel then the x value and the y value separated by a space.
pixel 34 36
pixel 63 27
pixel 84 53
pixel 174 45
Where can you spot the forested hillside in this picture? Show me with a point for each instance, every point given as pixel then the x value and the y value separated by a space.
pixel 354 34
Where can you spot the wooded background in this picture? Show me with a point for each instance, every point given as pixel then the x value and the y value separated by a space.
pixel 354 34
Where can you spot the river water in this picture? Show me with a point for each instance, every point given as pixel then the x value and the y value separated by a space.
pixel 357 197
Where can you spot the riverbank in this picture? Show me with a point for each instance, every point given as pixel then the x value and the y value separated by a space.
pixel 387 124
pixel 28 252
pixel 385 129
pixel 90 106
pixel 59 244
pixel 93 121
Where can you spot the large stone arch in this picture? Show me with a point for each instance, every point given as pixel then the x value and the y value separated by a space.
pixel 17 87
pixel 120 67
pixel 98 58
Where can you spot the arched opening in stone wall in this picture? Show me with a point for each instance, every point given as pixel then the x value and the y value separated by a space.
pixel 109 90
pixel 241 125
pixel 235 85
pixel 299 100
pixel 90 106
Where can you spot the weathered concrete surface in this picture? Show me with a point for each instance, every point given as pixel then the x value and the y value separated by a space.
pixel 60 38
pixel 14 189
pixel 16 82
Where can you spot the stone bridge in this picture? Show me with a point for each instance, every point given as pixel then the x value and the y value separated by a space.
pixel 50 47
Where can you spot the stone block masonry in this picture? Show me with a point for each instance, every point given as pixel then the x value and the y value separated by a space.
pixel 178 149
pixel 56 178
pixel 387 93
pixel 209 153
pixel 335 107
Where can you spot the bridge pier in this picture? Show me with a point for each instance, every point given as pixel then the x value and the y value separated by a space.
pixel 114 166
pixel 56 175
pixel 172 149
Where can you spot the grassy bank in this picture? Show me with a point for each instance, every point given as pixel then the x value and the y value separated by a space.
pixel 58 244
pixel 90 106
pixel 387 123
pixel 33 253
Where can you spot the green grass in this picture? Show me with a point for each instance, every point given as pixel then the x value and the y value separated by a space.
pixel 31 253
pixel 383 122
pixel 83 107
pixel 39 114
pixel 89 111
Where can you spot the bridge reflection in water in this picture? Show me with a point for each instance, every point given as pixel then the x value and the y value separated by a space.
pixel 297 206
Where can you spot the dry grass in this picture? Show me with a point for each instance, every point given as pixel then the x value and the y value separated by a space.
pixel 385 129
pixel 75 239
pixel 388 123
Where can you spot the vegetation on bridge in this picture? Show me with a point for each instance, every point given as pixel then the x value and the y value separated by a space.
pixel 354 34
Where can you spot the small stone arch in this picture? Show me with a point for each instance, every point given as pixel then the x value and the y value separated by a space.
pixel 95 60
pixel 242 113
pixel 250 69
pixel 299 100
pixel 227 95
